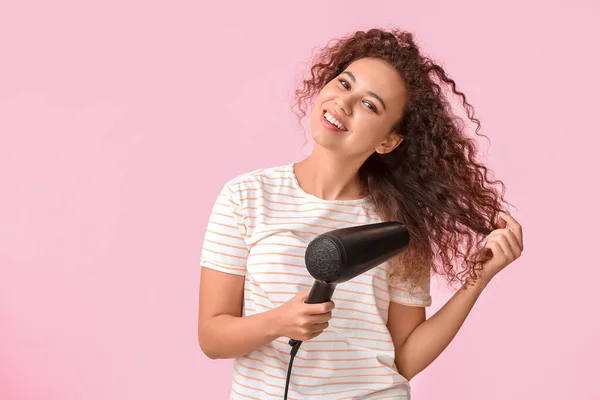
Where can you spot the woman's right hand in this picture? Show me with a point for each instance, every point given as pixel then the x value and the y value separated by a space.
pixel 301 321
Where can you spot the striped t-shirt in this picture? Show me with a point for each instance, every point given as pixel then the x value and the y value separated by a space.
pixel 259 228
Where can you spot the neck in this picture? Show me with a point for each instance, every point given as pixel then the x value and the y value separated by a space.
pixel 328 177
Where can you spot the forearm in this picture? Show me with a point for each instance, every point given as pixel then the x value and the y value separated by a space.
pixel 432 336
pixel 228 336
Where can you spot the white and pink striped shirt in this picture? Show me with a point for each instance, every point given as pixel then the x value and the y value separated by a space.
pixel 259 228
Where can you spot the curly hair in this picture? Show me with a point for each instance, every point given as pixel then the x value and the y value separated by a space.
pixel 433 182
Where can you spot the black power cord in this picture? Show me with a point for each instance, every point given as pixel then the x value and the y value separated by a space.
pixel 295 346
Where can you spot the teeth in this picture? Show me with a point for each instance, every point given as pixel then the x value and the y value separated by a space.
pixel 334 121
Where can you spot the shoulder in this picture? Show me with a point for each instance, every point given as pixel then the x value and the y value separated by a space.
pixel 258 179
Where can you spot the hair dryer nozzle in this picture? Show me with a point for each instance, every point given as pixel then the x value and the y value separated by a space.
pixel 339 255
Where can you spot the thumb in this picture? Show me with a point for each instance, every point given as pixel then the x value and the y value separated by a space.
pixel 500 222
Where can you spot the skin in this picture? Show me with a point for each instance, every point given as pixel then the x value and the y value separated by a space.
pixel 369 97
pixel 369 123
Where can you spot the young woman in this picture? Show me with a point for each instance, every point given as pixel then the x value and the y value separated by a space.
pixel 387 148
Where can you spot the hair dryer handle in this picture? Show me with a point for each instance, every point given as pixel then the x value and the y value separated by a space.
pixel 320 292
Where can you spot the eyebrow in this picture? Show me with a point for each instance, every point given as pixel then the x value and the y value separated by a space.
pixel 353 79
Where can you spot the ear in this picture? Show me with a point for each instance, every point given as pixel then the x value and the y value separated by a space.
pixel 392 141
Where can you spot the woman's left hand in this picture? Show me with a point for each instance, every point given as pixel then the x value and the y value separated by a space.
pixel 506 244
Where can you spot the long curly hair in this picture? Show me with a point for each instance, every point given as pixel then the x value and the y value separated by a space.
pixel 433 182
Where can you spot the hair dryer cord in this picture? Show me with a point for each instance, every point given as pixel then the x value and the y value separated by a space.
pixel 295 346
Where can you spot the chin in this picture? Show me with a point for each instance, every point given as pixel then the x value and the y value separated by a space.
pixel 322 136
pixel 327 141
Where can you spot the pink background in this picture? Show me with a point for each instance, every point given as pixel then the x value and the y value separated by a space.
pixel 120 121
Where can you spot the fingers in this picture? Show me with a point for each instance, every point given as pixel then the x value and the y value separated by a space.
pixel 312 335
pixel 307 321
pixel 514 243
pixel 319 308
pixel 313 326
pixel 319 318
pixel 320 327
pixel 317 322
pixel 505 250
pixel 310 331
pixel 315 330
pixel 500 223
pixel 515 226
pixel 327 307
pixel 496 250
pixel 510 236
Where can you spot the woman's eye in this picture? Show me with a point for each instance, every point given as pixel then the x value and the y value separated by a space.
pixel 370 105
pixel 345 84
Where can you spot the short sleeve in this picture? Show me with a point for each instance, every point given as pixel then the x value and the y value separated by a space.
pixel 408 294
pixel 224 248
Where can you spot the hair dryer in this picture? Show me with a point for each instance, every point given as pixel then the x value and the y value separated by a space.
pixel 340 255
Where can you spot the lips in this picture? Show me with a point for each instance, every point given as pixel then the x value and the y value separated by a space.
pixel 333 120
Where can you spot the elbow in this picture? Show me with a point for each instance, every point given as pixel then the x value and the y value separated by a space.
pixel 205 343
pixel 212 349
pixel 209 354
pixel 208 350
pixel 406 371
pixel 407 375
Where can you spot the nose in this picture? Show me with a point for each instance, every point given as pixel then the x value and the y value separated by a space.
pixel 343 106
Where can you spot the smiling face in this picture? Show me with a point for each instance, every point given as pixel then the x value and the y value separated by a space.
pixel 353 115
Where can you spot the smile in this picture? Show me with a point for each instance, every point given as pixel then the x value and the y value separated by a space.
pixel 332 122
